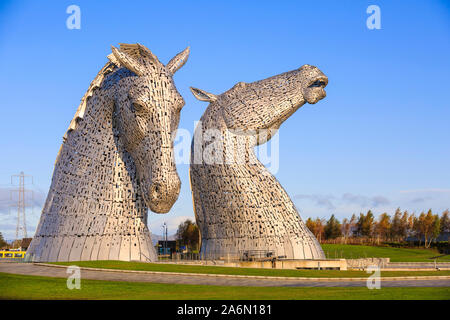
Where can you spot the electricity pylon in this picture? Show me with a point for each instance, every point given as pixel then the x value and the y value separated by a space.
pixel 21 202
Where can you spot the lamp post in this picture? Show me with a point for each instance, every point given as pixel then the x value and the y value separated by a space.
pixel 164 226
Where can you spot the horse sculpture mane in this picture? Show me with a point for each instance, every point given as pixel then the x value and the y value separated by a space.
pixel 115 162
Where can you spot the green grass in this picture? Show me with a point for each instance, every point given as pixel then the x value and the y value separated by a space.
pixel 123 265
pixel 396 254
pixel 35 287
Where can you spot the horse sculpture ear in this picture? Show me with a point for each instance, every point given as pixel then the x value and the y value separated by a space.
pixel 203 95
pixel 128 62
pixel 178 61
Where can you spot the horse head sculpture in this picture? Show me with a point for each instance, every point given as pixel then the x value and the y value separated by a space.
pixel 147 110
pixel 239 206
pixel 116 161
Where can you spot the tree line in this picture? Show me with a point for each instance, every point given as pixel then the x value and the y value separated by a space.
pixel 424 227
pixel 364 228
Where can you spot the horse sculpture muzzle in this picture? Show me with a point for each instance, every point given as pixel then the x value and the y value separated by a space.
pixel 313 90
pixel 163 193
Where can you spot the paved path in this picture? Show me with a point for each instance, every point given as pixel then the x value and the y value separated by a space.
pixel 39 270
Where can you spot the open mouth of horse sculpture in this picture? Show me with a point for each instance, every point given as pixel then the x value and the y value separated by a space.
pixel 315 89
pixel 116 161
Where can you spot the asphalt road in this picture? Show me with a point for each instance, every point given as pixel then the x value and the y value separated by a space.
pixel 37 270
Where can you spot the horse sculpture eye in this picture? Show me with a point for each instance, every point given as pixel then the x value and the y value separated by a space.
pixel 137 107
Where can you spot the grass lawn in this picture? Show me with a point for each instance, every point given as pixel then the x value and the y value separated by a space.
pixel 396 254
pixel 34 287
pixel 123 265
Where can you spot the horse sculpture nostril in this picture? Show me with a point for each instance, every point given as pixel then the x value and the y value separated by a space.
pixel 155 191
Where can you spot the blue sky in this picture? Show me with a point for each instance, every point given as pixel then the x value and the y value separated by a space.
pixel 380 139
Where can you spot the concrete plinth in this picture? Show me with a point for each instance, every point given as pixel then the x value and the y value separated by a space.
pixel 336 264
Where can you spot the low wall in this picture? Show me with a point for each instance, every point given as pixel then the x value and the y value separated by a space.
pixel 363 263
pixel 339 264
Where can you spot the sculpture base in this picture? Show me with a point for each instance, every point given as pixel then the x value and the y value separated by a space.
pixel 87 248
pixel 332 264
pixel 249 249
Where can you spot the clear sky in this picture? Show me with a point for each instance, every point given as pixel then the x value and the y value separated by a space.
pixel 379 140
